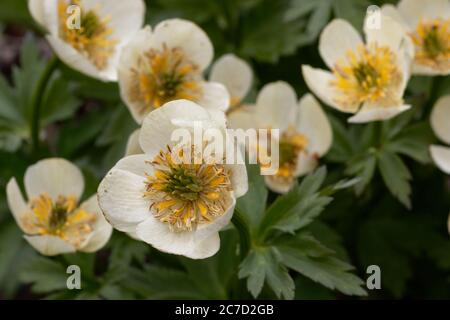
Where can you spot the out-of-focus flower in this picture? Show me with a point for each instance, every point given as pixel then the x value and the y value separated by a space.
pixel 91 42
pixel 367 79
pixel 166 64
pixel 52 221
pixel 176 207
pixel 235 74
pixel 305 132
pixel 440 122
pixel 428 25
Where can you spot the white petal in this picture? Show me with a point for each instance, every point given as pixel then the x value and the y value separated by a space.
pixel 121 198
pixel 415 10
pixel 318 82
pixel 77 61
pixel 136 164
pixel 54 176
pixel 423 70
pixel 313 122
pixel 189 244
pixel 214 96
pixel 440 119
pixel 373 113
pixel 441 156
pixel 157 234
pixel 141 42
pixel 244 117
pixel 278 186
pixel 102 229
pixel 306 163
pixel 36 8
pixel 187 36
pixel 276 104
pixel 159 125
pixel 391 11
pixel 133 146
pixel 336 39
pixel 391 33
pixel 50 245
pixel 16 203
pixel 239 179
pixel 234 73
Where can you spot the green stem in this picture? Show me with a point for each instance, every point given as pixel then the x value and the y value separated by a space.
pixel 244 234
pixel 36 102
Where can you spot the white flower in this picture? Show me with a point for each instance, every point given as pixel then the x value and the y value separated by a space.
pixel 52 221
pixel 175 207
pixel 305 132
pixel 235 74
pixel 133 146
pixel 167 64
pixel 366 79
pixel 105 27
pixel 428 25
pixel 440 122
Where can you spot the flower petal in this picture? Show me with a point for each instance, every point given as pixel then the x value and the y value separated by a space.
pixel 102 229
pixel 37 11
pixel 336 39
pixel 50 245
pixel 187 36
pixel 239 179
pixel 16 203
pixel 54 176
pixel 415 10
pixel 439 119
pixel 160 124
pixel 244 117
pixel 158 235
pixel 276 105
pixel 313 122
pixel 278 186
pixel 391 33
pixel 392 11
pixel 215 96
pixel 370 113
pixel 133 146
pixel 441 156
pixel 121 198
pixel 306 163
pixel 77 61
pixel 234 73
pixel 318 82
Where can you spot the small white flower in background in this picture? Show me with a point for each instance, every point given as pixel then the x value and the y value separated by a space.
pixel 367 79
pixel 440 122
pixel 105 27
pixel 166 64
pixel 305 132
pixel 177 208
pixel 235 74
pixel 51 219
pixel 428 25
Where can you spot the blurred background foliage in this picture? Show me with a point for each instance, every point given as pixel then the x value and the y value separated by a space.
pixel 395 216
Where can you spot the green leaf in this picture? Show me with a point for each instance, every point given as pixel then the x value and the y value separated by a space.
pixel 264 264
pixel 364 168
pixel 46 275
pixel 124 250
pixel 297 208
pixel 396 176
pixel 307 256
pixel 253 204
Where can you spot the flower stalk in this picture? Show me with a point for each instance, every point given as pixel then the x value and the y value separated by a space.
pixel 244 234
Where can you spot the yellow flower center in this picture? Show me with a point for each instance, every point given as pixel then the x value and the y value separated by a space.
pixel 162 76
pixel 432 43
pixel 371 74
pixel 61 218
pixel 92 39
pixel 291 144
pixel 186 195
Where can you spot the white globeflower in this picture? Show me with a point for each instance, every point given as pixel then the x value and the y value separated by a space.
pixel 305 132
pixel 177 207
pixel 440 122
pixel 165 64
pixel 428 25
pixel 51 219
pixel 91 41
pixel 235 74
pixel 367 79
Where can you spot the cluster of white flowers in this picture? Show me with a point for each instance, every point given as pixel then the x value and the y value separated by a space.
pixel 180 208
